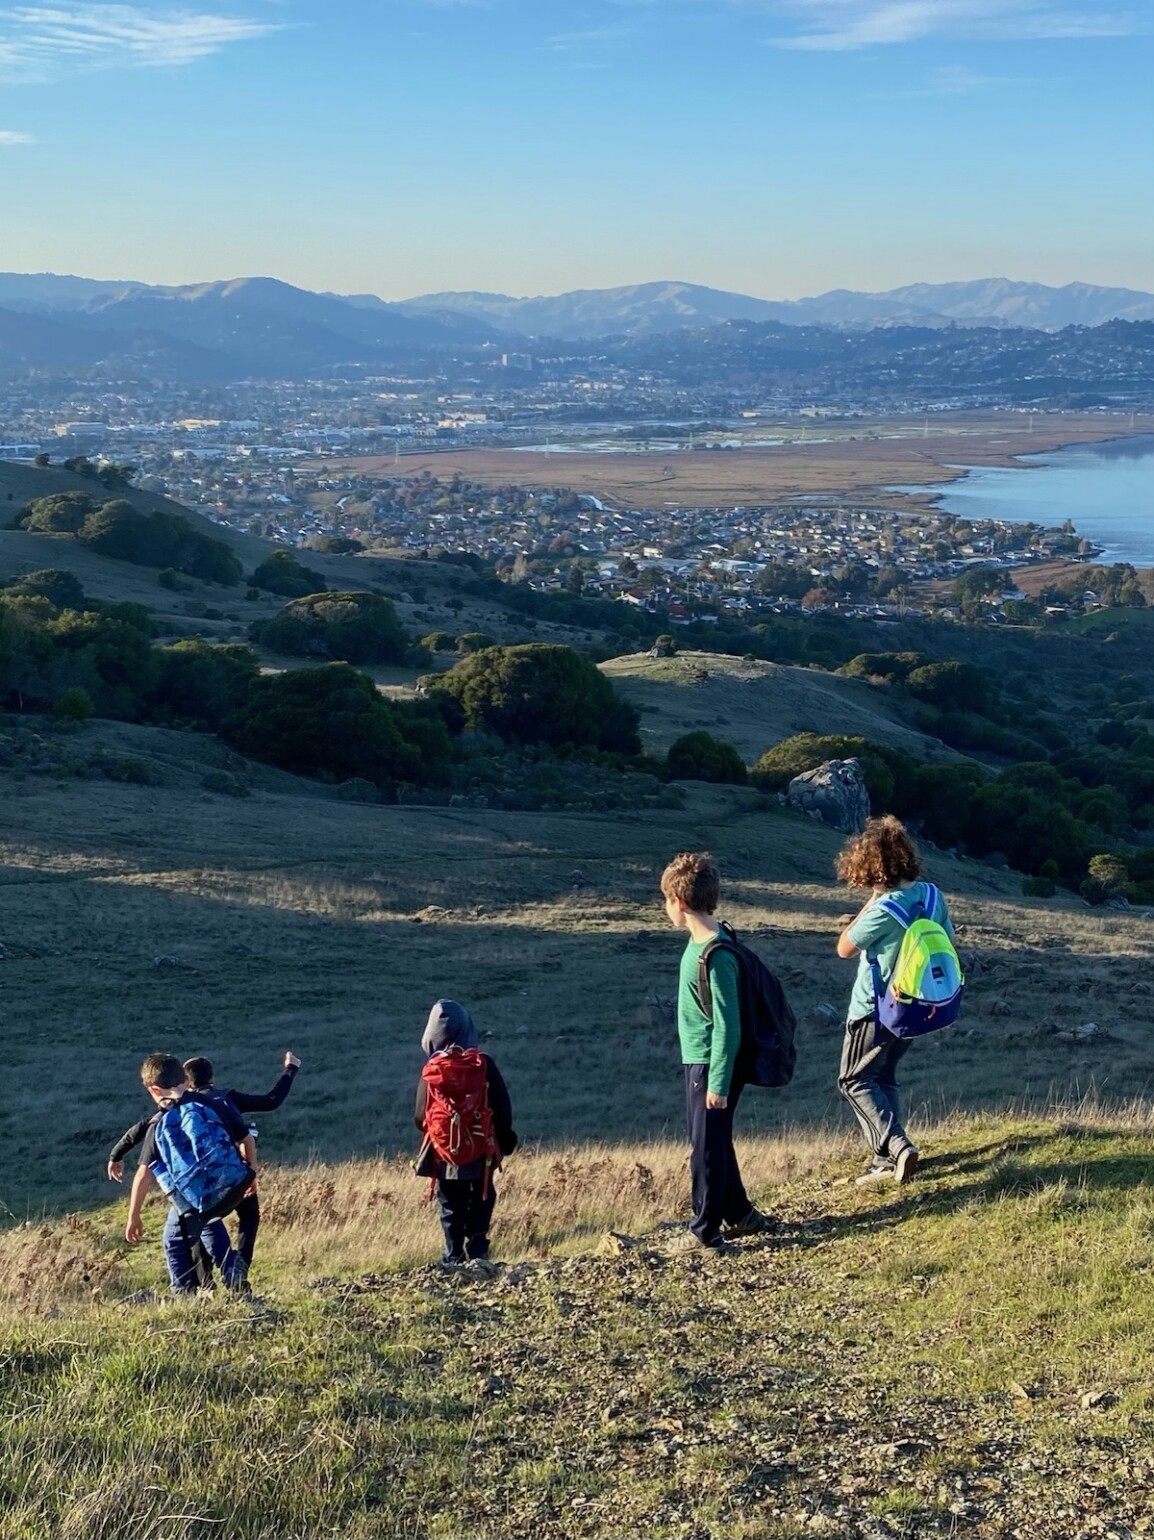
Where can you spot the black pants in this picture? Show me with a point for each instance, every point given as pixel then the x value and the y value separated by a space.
pixel 868 1080
pixel 719 1196
pixel 466 1213
pixel 247 1211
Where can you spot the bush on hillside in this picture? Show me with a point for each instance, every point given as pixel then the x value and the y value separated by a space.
pixel 439 641
pixel 61 589
pixel 699 756
pixel 332 722
pixel 201 685
pixel 350 627
pixel 540 693
pixel 117 529
pixel 473 641
pixel 890 666
pixel 281 573
pixel 951 686
pixel 60 514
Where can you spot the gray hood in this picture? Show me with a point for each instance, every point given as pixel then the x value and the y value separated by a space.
pixel 449 1026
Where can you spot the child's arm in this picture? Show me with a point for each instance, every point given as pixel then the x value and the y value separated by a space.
pixel 846 945
pixel 421 1104
pixel 127 1141
pixel 501 1106
pixel 141 1182
pixel 246 1101
pixel 726 1039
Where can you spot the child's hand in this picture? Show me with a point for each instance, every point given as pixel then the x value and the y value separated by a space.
pixel 291 1061
pixel 714 1102
pixel 133 1231
pixel 115 1170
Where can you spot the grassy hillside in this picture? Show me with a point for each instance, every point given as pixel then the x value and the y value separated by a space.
pixel 755 704
pixel 421 590
pixel 137 916
pixel 967 1357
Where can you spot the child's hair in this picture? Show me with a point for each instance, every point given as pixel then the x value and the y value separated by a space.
pixel 198 1073
pixel 692 877
pixel 882 856
pixel 163 1071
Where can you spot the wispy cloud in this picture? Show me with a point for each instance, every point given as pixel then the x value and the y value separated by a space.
pixel 40 42
pixel 838 25
pixel 591 38
pixel 958 80
pixel 12 136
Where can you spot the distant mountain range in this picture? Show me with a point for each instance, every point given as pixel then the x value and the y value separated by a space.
pixel 657 307
pixel 262 327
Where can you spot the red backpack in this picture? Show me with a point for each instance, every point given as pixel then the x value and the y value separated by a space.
pixel 458 1123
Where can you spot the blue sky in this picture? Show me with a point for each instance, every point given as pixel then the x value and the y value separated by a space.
pixel 777 147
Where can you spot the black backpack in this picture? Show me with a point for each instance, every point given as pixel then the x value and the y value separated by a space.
pixel 767 1054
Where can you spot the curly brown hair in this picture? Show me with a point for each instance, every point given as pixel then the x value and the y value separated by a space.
pixel 882 856
pixel 692 877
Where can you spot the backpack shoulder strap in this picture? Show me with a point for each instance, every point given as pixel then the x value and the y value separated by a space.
pixel 725 941
pixel 895 911
pixel 930 902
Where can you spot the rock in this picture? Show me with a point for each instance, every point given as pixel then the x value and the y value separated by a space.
pixel 1086 1032
pixel 492 1385
pixel 1094 1400
pixel 166 960
pixel 827 1015
pixel 615 1244
pixel 1119 901
pixel 835 793
pixel 997 1007
pixel 430 914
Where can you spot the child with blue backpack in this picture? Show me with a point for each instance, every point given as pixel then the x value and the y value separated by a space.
pixel 233 1262
pixel 903 988
pixel 203 1156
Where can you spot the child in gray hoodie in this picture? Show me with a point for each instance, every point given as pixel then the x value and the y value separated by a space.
pixel 465 1193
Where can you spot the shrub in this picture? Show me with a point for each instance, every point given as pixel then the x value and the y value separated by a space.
pixel 351 627
pixel 169 577
pixel 439 641
pixel 225 783
pixel 330 722
pixel 61 514
pixel 699 756
pixel 201 684
pixel 540 693
pixel 665 646
pixel 281 573
pixel 61 589
pixel 74 705
pixel 951 686
pixel 474 641
pixel 1038 887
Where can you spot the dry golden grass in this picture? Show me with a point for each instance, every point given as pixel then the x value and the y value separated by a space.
pixel 755 705
pixel 858 459
pixel 134 918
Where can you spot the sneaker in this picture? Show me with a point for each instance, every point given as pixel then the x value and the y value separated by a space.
pixel 906 1165
pixel 878 1172
pixel 754 1223
pixel 685 1241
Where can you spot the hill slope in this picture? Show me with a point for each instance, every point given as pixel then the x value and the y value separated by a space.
pixel 755 704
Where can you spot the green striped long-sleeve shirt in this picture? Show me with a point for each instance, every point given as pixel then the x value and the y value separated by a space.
pixel 712 1040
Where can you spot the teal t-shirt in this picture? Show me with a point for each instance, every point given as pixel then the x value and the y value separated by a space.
pixel 878 936
pixel 712 1040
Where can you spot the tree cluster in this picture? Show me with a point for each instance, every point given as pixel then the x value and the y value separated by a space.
pixel 117 529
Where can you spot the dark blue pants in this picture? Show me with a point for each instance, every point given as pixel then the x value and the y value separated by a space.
pixel 719 1195
pixel 466 1213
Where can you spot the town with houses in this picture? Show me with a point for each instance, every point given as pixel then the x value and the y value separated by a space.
pixel 274 458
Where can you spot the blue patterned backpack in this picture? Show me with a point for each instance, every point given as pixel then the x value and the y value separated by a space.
pixel 199 1164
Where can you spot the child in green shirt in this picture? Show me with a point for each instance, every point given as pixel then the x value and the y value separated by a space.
pixel 691 887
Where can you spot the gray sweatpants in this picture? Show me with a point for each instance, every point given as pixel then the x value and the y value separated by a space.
pixel 867 1080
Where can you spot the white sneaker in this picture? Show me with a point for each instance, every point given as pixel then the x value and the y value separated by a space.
pixel 906 1165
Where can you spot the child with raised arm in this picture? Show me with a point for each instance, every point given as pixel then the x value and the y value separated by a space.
pixel 691 887
pixel 884 859
pixel 233 1263
pixel 202 1156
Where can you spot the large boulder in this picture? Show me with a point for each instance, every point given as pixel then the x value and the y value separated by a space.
pixel 835 793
